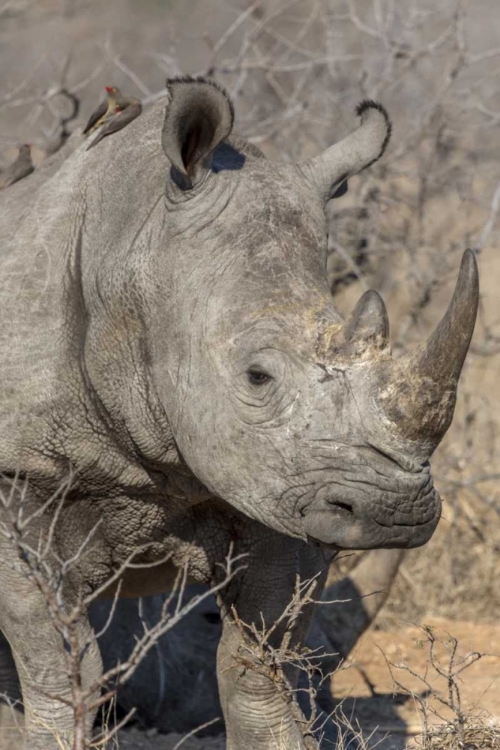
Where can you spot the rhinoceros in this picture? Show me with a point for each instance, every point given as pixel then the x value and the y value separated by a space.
pixel 169 340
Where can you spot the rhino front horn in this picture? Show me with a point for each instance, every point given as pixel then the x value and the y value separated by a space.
pixel 420 395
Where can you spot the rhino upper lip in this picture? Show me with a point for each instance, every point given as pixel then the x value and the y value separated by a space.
pixel 350 501
pixel 367 528
pixel 359 511
pixel 346 509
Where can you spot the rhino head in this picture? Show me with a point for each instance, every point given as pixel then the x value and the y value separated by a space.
pixel 280 407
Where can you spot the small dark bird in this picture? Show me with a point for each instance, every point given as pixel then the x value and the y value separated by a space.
pixel 113 114
pixel 21 167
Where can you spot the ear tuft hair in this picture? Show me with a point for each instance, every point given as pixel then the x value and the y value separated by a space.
pixel 367 104
pixel 202 79
pixel 371 104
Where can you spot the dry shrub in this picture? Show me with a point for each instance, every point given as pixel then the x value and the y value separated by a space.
pixel 447 724
pixel 37 556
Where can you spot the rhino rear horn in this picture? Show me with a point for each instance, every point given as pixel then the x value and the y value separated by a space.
pixel 368 325
pixel 329 170
pixel 198 117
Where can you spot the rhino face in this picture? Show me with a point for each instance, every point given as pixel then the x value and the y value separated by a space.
pixel 294 416
pixel 329 470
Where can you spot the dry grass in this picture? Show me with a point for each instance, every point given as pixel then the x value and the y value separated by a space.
pixel 475 734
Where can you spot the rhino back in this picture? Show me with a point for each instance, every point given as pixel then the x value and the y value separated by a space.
pixel 79 213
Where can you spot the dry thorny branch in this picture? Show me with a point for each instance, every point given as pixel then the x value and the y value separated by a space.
pixel 273 662
pixel 49 574
pixel 272 651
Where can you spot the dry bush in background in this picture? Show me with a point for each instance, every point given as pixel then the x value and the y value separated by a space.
pixel 458 728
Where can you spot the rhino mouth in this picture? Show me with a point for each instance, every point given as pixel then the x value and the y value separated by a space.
pixel 364 517
pixel 326 528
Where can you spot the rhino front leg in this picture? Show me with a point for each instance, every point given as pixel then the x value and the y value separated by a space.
pixel 40 658
pixel 257 711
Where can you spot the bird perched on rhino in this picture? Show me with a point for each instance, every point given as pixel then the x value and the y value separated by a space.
pixel 104 110
pixel 21 167
pixel 112 114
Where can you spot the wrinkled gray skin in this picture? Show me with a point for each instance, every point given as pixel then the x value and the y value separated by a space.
pixel 168 334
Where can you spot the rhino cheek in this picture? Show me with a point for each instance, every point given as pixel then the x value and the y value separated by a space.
pixel 223 456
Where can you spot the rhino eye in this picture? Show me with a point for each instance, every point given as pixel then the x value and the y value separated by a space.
pixel 258 377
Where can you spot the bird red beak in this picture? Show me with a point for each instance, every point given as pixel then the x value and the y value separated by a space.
pixel 109 89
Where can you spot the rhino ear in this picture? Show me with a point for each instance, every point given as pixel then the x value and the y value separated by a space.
pixel 355 152
pixel 199 116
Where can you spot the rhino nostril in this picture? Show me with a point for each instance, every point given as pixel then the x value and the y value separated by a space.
pixel 343 506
